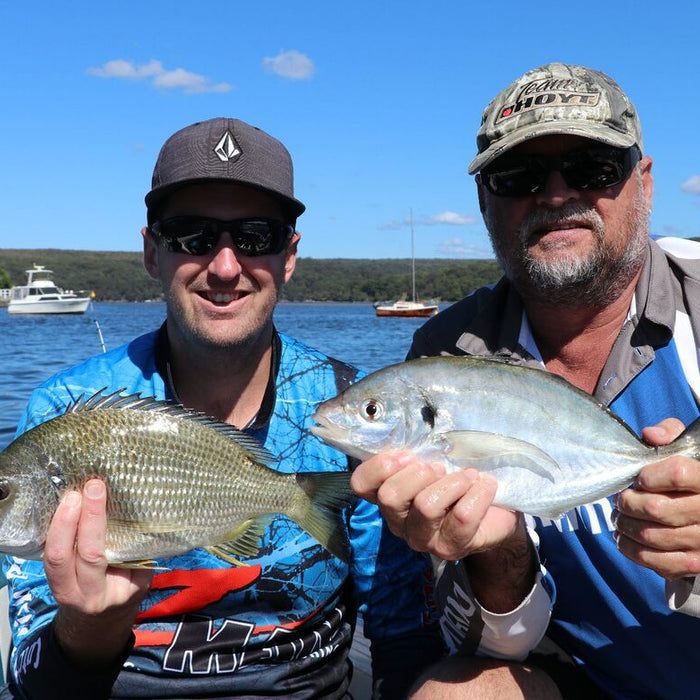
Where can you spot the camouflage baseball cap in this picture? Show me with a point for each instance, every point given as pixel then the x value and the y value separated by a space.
pixel 556 99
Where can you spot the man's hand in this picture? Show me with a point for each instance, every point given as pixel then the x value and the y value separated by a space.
pixel 451 516
pixel 448 515
pixel 658 519
pixel 97 603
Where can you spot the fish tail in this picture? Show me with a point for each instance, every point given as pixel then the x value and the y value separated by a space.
pixel 318 508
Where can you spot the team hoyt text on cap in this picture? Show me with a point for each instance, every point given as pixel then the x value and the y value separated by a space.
pixel 556 99
pixel 224 150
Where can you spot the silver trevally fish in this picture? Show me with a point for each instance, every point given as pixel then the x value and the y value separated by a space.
pixel 176 480
pixel 550 445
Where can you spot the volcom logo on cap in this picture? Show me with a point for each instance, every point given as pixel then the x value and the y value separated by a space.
pixel 550 93
pixel 227 149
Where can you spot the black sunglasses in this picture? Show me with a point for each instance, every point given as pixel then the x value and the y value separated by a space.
pixel 199 235
pixel 519 175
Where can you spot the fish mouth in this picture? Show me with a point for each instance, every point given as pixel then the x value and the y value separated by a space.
pixel 325 430
pixel 329 433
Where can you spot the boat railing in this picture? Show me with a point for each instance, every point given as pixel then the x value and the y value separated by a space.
pixel 19 293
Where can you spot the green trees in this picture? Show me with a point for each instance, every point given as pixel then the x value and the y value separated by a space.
pixel 120 276
pixel 5 279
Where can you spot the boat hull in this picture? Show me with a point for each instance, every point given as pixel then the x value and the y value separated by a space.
pixel 78 305
pixel 416 310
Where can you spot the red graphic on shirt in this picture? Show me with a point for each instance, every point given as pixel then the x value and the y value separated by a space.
pixel 196 590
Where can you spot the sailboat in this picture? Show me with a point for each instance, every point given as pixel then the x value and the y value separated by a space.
pixel 411 308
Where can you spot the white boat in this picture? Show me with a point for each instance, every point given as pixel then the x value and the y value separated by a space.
pixel 408 308
pixel 41 296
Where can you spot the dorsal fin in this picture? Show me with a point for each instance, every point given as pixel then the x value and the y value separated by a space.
pixel 130 402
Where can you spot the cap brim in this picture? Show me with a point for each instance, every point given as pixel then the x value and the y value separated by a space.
pixel 155 196
pixel 596 132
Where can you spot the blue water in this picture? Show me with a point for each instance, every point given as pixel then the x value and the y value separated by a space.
pixel 35 347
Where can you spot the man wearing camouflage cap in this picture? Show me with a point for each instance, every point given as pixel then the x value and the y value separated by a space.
pixel 565 189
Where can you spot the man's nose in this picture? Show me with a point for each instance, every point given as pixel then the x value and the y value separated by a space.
pixel 224 262
pixel 556 192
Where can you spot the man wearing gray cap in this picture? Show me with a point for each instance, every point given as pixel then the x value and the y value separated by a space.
pixel 222 241
pixel 565 189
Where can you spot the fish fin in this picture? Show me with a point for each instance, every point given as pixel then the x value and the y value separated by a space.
pixel 558 511
pixel 118 401
pixel 220 552
pixel 140 564
pixel 243 541
pixel 319 506
pixel 490 451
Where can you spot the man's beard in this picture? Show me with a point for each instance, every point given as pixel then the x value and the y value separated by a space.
pixel 592 280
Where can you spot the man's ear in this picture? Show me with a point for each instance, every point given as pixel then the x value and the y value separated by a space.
pixel 290 257
pixel 480 191
pixel 150 253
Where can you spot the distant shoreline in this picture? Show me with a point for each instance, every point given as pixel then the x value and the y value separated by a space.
pixel 120 276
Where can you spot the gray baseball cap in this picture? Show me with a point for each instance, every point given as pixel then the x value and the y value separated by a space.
pixel 556 99
pixel 224 150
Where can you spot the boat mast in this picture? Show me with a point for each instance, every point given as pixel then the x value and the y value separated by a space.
pixel 413 257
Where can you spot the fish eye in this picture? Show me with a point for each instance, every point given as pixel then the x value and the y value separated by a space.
pixel 5 491
pixel 372 409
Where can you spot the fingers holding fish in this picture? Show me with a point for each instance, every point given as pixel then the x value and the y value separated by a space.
pixel 59 550
pixel 658 520
pixel 74 556
pixel 373 473
pixel 396 482
pixel 98 604
pixel 444 516
pixel 669 551
pixel 663 433
pixel 92 529
pixel 473 525
pixel 667 493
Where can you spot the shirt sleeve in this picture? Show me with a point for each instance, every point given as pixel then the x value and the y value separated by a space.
pixel 42 667
pixel 469 628
pixel 683 595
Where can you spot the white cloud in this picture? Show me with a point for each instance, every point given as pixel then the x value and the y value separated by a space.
pixel 291 64
pixel 177 79
pixel 448 217
pixel 456 248
pixel 393 225
pixel 692 185
pixel 445 218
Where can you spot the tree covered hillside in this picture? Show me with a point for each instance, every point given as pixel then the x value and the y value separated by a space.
pixel 120 276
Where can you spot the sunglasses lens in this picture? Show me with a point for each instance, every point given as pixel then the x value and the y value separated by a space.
pixel 198 235
pixel 594 170
pixel 255 237
pixel 591 169
pixel 515 181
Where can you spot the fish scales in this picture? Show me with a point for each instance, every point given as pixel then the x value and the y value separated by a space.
pixel 175 481
pixel 550 445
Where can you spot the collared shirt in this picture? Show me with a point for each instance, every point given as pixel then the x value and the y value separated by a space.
pixel 614 616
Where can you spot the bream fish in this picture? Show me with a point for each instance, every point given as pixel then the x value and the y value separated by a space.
pixel 176 480
pixel 550 445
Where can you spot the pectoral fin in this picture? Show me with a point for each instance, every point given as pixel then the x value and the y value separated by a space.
pixel 490 451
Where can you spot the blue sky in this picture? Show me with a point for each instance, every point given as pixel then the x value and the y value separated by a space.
pixel 379 103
